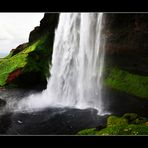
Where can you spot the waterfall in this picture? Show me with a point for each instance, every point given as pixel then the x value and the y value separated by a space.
pixel 77 64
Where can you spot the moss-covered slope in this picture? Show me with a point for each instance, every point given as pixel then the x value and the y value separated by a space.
pixel 128 124
pixel 30 59
pixel 28 64
pixel 125 81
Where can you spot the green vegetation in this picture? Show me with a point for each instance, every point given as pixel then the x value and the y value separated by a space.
pixel 128 124
pixel 91 131
pixel 39 58
pixel 35 57
pixel 10 65
pixel 127 82
pixel 130 129
pixel 130 116
pixel 114 121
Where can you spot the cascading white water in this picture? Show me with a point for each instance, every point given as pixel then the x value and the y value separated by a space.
pixel 77 64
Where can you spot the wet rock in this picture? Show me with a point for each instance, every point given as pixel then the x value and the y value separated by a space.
pixel 2 103
pixel 47 24
pixel 5 122
pixel 126 41
pixel 53 121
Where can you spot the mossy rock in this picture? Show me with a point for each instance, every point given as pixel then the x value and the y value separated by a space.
pixel 91 131
pixel 7 66
pixel 130 116
pixel 114 121
pixel 33 60
pixel 130 129
pixel 140 120
pixel 121 126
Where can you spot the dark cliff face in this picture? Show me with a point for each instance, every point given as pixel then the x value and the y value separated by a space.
pixel 41 59
pixel 47 24
pixel 127 41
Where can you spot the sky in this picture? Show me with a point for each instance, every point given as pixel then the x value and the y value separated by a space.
pixel 15 29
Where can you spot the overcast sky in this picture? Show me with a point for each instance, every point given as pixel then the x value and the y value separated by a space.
pixel 15 29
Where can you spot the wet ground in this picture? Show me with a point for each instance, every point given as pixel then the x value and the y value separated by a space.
pixel 62 121
pixel 54 121
pixel 49 121
pixel 118 103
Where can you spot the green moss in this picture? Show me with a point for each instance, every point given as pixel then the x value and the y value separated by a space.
pixel 128 124
pixel 130 129
pixel 31 48
pixel 140 120
pixel 32 58
pixel 91 131
pixel 130 116
pixel 114 121
pixel 127 82
pixel 39 59
pixel 10 65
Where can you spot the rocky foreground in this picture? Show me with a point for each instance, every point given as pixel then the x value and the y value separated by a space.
pixel 128 124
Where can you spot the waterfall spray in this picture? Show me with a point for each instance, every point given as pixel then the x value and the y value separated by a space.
pixel 77 64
